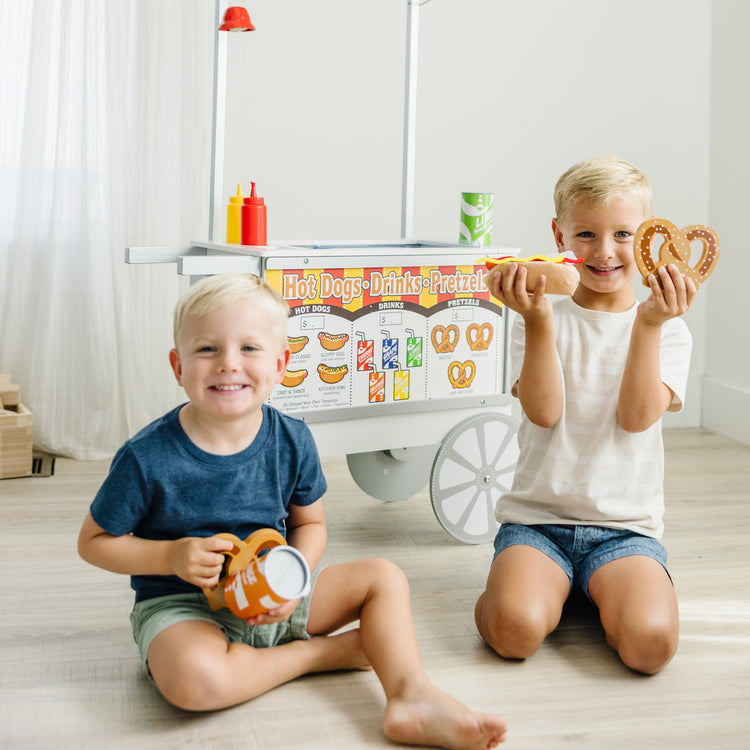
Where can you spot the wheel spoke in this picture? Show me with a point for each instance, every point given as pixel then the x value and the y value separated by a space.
pixel 461 460
pixel 468 510
pixel 507 469
pixel 481 432
pixel 456 489
pixel 509 435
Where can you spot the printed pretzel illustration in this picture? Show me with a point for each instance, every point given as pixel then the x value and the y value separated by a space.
pixel 479 336
pixel 445 339
pixel 461 373
pixel 675 248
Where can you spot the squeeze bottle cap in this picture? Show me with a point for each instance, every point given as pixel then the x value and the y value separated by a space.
pixel 254 199
pixel 237 198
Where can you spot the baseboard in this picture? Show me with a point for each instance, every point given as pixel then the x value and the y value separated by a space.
pixel 726 409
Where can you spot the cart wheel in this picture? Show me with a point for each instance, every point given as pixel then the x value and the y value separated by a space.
pixel 393 474
pixel 473 466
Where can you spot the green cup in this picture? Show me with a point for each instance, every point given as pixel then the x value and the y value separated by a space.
pixel 477 210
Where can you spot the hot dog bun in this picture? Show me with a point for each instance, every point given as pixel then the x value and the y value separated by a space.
pixel 562 278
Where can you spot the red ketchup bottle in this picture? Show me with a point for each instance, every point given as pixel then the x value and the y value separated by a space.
pixel 253 219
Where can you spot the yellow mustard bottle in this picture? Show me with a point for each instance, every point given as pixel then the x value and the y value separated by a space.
pixel 234 217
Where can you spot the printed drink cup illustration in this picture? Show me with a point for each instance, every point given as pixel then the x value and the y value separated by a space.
pixel 365 353
pixel 376 387
pixel 401 385
pixel 413 349
pixel 390 352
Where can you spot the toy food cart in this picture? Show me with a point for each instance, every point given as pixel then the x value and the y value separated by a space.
pixel 398 361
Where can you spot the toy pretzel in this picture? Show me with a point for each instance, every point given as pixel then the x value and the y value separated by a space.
pixel 675 248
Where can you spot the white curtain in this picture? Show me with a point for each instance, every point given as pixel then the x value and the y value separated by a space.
pixel 105 135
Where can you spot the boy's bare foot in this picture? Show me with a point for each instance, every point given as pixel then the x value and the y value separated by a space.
pixel 426 715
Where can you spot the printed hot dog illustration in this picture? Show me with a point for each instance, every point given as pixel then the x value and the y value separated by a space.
pixel 332 341
pixel 293 378
pixel 332 374
pixel 297 343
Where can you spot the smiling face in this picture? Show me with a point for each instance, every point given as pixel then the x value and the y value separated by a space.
pixel 603 237
pixel 229 360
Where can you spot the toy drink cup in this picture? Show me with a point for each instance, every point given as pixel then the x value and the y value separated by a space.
pixel 278 576
pixel 257 582
pixel 477 210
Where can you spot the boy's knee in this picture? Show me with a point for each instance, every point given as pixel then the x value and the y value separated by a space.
pixel 387 573
pixel 193 685
pixel 650 647
pixel 512 633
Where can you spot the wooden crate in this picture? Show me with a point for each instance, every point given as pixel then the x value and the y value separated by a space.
pixel 16 432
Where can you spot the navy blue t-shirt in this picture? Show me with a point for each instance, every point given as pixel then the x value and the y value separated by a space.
pixel 162 486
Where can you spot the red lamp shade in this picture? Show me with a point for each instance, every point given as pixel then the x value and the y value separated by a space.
pixel 236 18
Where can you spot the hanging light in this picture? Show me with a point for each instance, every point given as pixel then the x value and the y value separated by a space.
pixel 236 18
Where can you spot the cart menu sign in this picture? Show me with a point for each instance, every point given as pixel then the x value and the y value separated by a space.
pixel 373 336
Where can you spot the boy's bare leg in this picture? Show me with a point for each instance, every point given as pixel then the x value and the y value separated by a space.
pixel 522 602
pixel 417 712
pixel 196 669
pixel 638 608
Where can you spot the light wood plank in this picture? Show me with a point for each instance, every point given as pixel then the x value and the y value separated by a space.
pixel 70 675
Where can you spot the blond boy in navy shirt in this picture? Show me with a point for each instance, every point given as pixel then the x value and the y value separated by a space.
pixel 227 462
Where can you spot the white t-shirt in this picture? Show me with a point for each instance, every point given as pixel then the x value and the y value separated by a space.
pixel 586 470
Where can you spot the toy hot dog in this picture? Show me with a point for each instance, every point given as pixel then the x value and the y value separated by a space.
pixel 562 278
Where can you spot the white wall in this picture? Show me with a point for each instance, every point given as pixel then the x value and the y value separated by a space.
pixel 726 385
pixel 314 116
pixel 510 94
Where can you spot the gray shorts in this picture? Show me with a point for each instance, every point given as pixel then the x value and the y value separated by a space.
pixel 580 550
pixel 150 617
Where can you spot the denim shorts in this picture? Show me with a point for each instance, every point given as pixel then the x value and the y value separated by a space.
pixel 151 616
pixel 580 550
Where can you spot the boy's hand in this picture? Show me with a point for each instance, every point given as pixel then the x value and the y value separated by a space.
pixel 278 614
pixel 198 560
pixel 671 296
pixel 507 283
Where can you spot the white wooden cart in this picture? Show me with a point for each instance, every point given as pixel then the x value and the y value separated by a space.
pixel 404 356
pixel 399 362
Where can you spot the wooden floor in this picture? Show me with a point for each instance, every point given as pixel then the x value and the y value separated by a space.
pixel 69 672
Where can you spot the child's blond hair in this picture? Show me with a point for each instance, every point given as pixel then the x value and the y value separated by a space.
pixel 213 292
pixel 595 182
